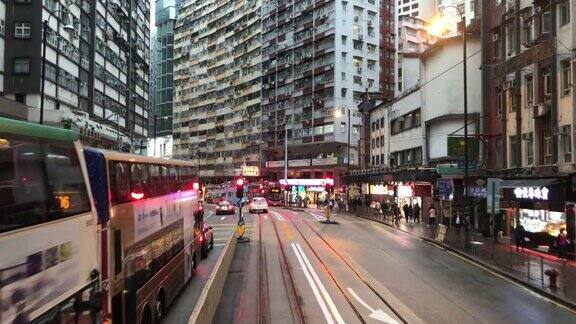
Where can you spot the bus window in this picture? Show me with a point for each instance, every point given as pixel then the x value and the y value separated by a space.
pixel 66 180
pixel 119 182
pixel 165 189
pixel 155 181
pixel 139 179
pixel 39 182
pixel 174 184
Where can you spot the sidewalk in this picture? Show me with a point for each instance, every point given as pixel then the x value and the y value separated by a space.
pixel 528 267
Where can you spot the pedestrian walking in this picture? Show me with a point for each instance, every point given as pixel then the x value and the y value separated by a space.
pixel 396 213
pixel 417 213
pixel 405 211
pixel 432 216
pixel 410 214
pixel 562 242
pixel 458 221
pixel 520 237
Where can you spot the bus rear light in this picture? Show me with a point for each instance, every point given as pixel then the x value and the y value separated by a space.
pixel 136 195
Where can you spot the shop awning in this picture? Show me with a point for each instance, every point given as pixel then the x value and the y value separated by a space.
pixel 518 183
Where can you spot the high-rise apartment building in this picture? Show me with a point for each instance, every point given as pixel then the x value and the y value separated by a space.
pixel 97 61
pixel 162 60
pixel 387 48
pixel 318 59
pixel 424 9
pixel 217 69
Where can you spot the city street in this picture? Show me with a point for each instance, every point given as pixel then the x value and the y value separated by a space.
pixel 296 269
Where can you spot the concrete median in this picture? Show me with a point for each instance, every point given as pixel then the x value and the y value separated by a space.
pixel 208 302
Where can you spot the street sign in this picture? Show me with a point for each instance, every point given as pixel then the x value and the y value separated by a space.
pixel 456 147
pixel 493 195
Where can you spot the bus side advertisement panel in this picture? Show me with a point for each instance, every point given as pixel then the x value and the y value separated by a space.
pixel 41 266
pixel 152 215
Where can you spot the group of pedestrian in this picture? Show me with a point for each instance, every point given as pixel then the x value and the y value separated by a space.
pixel 411 213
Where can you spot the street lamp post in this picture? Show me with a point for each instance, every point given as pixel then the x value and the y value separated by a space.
pixel 338 114
pixel 69 29
pixel 286 164
pixel 462 15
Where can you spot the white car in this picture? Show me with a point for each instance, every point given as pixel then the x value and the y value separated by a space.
pixel 258 205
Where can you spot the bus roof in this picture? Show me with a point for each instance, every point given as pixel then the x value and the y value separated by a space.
pixel 18 127
pixel 122 156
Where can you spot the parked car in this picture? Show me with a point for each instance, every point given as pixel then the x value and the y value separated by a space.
pixel 225 208
pixel 258 205
pixel 207 239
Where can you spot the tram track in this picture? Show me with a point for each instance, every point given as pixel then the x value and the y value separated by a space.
pixel 287 275
pixel 347 263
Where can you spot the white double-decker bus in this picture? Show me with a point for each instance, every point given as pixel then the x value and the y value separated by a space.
pixel 48 231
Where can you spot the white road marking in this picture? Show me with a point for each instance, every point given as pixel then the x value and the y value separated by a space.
pixel 265 216
pixel 219 244
pixel 313 286
pixel 278 216
pixel 209 215
pixel 223 218
pixel 331 304
pixel 377 314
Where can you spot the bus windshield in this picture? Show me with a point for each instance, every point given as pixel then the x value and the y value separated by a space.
pixel 39 182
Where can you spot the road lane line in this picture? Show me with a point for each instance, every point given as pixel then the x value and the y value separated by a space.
pixel 313 286
pixel 331 304
pixel 209 215
pixel 377 314
pixel 223 218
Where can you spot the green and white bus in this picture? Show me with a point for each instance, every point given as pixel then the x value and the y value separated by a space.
pixel 49 243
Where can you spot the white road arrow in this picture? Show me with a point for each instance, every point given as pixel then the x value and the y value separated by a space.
pixel 377 314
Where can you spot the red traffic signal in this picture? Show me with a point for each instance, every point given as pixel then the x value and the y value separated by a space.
pixel 196 186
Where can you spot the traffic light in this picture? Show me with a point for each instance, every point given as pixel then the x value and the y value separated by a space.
pixel 239 188
pixel 328 184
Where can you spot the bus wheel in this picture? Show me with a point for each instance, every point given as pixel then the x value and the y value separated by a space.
pixel 146 316
pixel 160 307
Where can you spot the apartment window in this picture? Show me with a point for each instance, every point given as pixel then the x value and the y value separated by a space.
pixel 547 136
pixel 566 142
pixel 546 22
pixel 566 76
pixel 499 155
pixel 513 147
pixel 21 65
pixel 370 83
pixel 371 64
pixel 546 82
pixel 399 86
pixel 344 38
pixel 344 54
pixel 342 127
pixel 2 27
pixel 343 92
pixel 564 13
pixel 344 5
pixel 511 99
pixel 358 80
pixel 529 90
pixel 22 30
pixel 357 45
pixel 343 76
pixel 500 100
pixel 529 147
pixel 355 129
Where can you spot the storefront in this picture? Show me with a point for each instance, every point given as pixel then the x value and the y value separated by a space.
pixel 539 205
pixel 306 192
